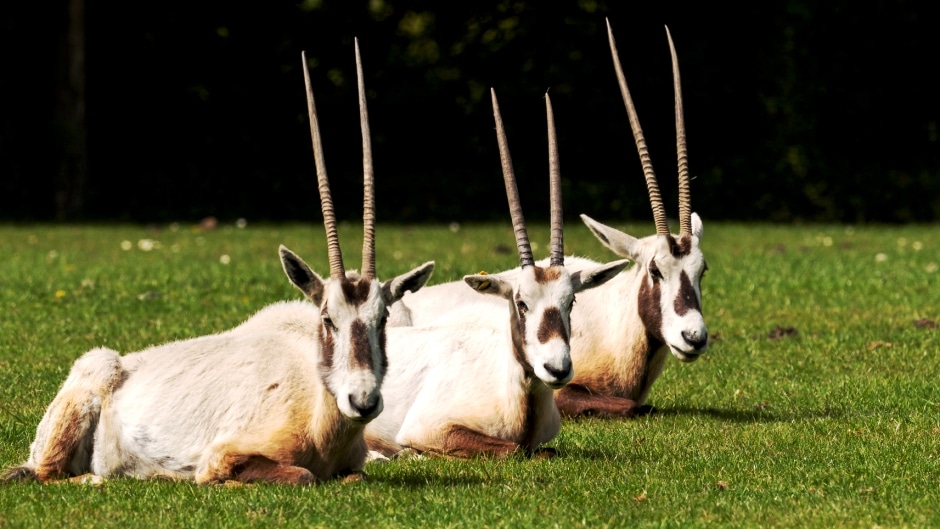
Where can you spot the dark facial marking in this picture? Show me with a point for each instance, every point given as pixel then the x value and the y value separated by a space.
pixel 518 336
pixel 359 340
pixel 547 275
pixel 650 309
pixel 551 326
pixel 679 248
pixel 356 292
pixel 654 271
pixel 686 300
pixel 327 344
pixel 383 357
pixel 521 314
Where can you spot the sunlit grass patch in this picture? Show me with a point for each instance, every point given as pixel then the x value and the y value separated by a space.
pixel 816 404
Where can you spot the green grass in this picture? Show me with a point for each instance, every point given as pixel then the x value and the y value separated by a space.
pixel 833 424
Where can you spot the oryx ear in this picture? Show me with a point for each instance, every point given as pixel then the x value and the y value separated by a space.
pixel 487 284
pixel 412 281
pixel 697 227
pixel 617 241
pixel 595 277
pixel 301 276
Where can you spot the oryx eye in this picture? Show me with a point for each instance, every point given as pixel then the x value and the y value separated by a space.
pixel 523 308
pixel 654 270
pixel 328 322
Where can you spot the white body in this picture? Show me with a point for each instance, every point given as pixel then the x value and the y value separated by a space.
pixel 164 418
pixel 459 376
pixel 283 397
pixel 619 341
pixel 484 386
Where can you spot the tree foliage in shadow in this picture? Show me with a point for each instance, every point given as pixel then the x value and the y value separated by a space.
pixel 796 109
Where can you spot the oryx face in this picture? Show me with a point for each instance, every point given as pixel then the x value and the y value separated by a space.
pixel 670 295
pixel 542 301
pixel 353 307
pixel 352 337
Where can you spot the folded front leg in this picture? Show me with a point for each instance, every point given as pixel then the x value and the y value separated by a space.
pixel 575 401
pixel 457 440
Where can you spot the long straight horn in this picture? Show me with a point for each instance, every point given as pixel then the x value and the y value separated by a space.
pixel 512 194
pixel 685 195
pixel 368 180
pixel 554 174
pixel 656 201
pixel 326 200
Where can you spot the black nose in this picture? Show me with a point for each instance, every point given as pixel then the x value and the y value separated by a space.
pixel 367 408
pixel 695 339
pixel 560 374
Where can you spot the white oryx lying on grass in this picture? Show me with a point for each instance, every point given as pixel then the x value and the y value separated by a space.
pixel 484 387
pixel 283 397
pixel 622 333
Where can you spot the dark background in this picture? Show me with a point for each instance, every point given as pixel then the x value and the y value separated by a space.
pixel 152 111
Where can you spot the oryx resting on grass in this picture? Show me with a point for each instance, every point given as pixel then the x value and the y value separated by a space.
pixel 483 386
pixel 283 397
pixel 622 333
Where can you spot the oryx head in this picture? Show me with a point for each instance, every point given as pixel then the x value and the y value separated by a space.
pixel 541 298
pixel 353 307
pixel 670 266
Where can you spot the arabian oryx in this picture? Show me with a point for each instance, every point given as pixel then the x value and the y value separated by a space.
pixel 472 388
pixel 622 333
pixel 283 397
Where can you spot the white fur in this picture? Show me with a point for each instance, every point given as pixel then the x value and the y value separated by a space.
pixel 203 408
pixel 464 371
pixel 609 347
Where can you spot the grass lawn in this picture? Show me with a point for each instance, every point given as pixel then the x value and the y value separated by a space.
pixel 817 404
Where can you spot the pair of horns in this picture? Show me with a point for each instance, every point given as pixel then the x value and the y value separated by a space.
pixel 337 271
pixel 656 201
pixel 512 193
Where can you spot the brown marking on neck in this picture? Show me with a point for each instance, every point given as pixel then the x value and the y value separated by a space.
pixel 653 345
pixel 552 326
pixel 680 248
pixel 547 275
pixel 530 423
pixel 686 300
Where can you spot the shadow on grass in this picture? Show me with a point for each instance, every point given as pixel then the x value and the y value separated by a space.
pixel 755 416
pixel 423 478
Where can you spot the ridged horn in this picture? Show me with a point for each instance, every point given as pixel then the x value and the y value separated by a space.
pixel 656 201
pixel 368 179
pixel 554 176
pixel 685 194
pixel 512 193
pixel 326 200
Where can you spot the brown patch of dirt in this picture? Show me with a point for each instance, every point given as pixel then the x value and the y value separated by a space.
pixel 781 332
